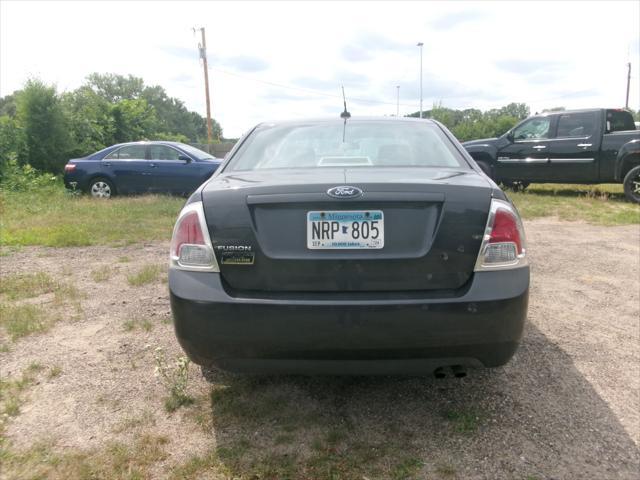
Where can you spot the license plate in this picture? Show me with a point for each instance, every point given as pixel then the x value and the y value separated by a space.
pixel 345 229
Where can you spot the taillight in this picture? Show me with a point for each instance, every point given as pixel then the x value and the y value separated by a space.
pixel 191 247
pixel 69 167
pixel 503 245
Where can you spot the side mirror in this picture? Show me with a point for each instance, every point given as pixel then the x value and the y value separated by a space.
pixel 184 158
pixel 510 136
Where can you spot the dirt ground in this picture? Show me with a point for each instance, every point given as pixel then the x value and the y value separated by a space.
pixel 566 407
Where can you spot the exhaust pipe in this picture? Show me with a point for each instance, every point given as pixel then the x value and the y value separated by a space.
pixel 459 371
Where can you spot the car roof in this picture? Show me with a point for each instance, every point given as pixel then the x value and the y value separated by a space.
pixel 149 142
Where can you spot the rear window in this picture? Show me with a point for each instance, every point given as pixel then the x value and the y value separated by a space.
pixel 356 144
pixel 578 124
pixel 619 120
pixel 196 152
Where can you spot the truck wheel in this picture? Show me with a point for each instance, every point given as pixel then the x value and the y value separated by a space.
pixel 632 184
pixel 484 166
pixel 516 185
pixel 101 188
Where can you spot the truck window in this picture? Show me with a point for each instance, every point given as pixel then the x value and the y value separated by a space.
pixel 619 120
pixel 579 124
pixel 533 129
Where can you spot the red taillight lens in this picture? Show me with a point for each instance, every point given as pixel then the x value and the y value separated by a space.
pixel 69 167
pixel 187 231
pixel 505 229
pixel 190 245
pixel 503 244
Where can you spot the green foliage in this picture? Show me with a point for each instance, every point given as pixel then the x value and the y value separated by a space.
pixel 8 105
pixel 174 376
pixel 23 178
pixel 91 123
pixel 10 143
pixel 472 123
pixel 40 116
pixel 114 88
pixel 42 128
pixel 133 119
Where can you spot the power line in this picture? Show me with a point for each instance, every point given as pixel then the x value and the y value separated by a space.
pixel 365 100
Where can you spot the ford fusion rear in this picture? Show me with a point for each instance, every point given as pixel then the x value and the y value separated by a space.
pixel 355 246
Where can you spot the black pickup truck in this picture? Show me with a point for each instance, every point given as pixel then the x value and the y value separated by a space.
pixel 576 146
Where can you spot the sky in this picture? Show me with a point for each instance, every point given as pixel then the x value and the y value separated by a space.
pixel 282 60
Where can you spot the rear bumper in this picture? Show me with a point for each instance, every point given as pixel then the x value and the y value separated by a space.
pixel 341 334
pixel 75 181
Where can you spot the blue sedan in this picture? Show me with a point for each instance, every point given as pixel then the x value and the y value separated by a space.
pixel 140 167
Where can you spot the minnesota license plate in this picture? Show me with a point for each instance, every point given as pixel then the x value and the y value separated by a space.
pixel 345 229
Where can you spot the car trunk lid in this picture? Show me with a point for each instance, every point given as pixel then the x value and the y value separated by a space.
pixel 433 224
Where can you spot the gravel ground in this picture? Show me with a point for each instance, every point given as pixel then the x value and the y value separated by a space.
pixel 567 406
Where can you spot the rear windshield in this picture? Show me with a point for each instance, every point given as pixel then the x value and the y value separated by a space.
pixel 356 144
pixel 196 152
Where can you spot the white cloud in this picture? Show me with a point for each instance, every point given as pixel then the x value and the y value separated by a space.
pixel 478 55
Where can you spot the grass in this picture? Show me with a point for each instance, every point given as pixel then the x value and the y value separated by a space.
pixel 464 421
pixel 135 422
pixel 138 323
pixel 51 217
pixel 101 274
pixel 18 287
pixel 22 320
pixel 147 274
pixel 126 461
pixel 19 318
pixel 597 204
pixel 12 390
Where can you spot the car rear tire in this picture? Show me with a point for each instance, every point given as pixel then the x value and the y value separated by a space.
pixel 101 188
pixel 632 184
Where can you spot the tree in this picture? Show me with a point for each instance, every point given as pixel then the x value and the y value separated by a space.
pixel 8 105
pixel 10 141
pixel 40 117
pixel 519 111
pixel 90 120
pixel 554 109
pixel 114 88
pixel 471 124
pixel 133 120
pixel 173 118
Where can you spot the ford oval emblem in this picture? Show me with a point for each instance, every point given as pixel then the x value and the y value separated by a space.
pixel 344 192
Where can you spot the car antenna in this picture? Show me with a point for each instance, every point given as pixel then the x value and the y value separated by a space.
pixel 344 114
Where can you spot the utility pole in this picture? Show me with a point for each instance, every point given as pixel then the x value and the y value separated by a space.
pixel 420 45
pixel 398 101
pixel 626 105
pixel 203 55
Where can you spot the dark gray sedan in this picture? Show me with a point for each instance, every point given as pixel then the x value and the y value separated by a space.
pixel 356 246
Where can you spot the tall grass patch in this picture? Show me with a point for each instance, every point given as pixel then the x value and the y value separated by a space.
pixel 596 204
pixel 51 216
